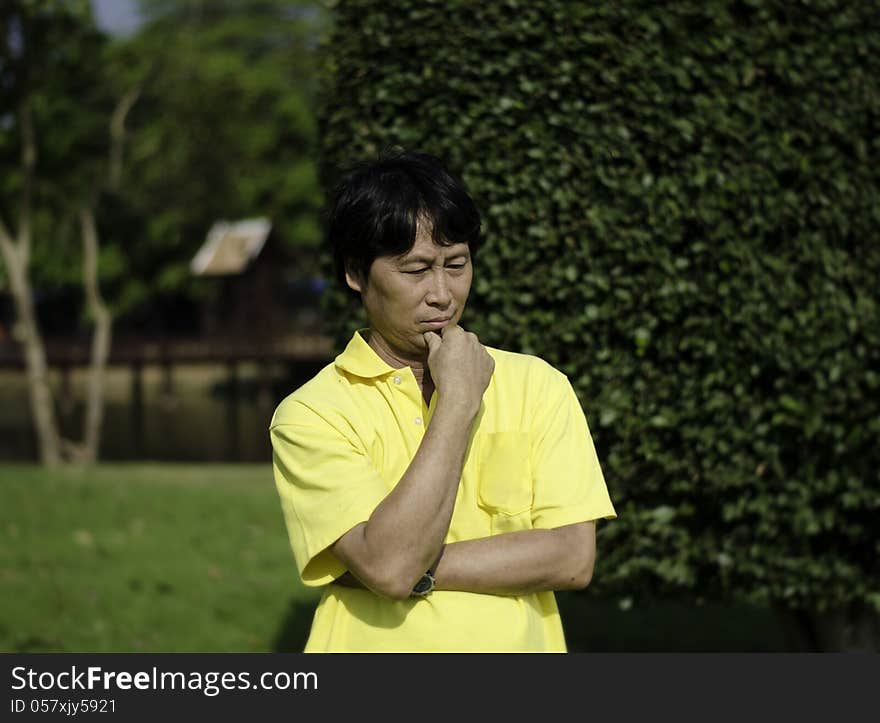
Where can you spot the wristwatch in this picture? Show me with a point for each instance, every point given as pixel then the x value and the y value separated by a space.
pixel 424 586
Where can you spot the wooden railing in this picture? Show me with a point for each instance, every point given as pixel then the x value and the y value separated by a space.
pixel 303 351
pixel 293 347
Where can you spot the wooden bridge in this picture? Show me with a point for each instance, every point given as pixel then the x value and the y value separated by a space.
pixel 302 354
pixel 133 351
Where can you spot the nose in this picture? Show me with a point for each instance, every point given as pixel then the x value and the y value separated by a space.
pixel 438 293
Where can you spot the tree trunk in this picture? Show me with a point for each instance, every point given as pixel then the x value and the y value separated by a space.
pixel 100 339
pixel 42 408
pixel 16 253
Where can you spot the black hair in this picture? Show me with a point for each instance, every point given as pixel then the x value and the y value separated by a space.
pixel 376 207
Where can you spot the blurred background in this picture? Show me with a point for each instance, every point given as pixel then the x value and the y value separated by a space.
pixel 681 207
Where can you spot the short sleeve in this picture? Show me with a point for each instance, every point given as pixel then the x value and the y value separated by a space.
pixel 569 486
pixel 327 486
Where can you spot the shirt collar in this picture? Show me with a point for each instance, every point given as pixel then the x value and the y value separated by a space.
pixel 359 359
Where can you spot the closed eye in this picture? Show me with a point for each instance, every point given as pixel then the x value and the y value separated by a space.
pixel 427 268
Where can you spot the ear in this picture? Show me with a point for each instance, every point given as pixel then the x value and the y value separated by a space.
pixel 353 280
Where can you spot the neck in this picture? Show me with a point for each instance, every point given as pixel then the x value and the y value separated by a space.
pixel 398 359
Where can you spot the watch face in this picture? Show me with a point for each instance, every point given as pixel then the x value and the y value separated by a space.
pixel 425 584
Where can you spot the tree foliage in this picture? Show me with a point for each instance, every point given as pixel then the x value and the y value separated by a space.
pixel 681 213
pixel 224 128
pixel 40 78
pixel 51 57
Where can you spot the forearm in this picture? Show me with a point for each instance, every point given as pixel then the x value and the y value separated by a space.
pixel 519 562
pixel 515 563
pixel 405 533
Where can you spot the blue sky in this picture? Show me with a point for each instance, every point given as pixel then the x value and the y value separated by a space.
pixel 118 17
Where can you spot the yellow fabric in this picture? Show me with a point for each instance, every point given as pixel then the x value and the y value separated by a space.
pixel 343 440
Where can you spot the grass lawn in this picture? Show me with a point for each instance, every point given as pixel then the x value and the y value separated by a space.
pixel 195 558
pixel 147 557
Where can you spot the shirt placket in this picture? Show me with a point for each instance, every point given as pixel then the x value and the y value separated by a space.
pixel 413 413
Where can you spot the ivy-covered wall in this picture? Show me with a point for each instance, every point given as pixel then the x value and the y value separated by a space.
pixel 682 212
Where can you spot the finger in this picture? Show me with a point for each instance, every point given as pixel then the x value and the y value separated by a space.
pixel 432 339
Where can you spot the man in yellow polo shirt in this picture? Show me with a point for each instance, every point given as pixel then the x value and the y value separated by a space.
pixel 439 490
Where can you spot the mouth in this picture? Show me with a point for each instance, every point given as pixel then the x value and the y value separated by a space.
pixel 437 323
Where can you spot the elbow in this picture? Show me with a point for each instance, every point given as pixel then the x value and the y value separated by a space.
pixel 398 594
pixel 396 575
pixel 583 580
pixel 394 585
pixel 579 552
pixel 391 574
pixel 581 576
pixel 392 590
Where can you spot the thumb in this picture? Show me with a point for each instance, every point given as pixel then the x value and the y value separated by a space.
pixel 432 339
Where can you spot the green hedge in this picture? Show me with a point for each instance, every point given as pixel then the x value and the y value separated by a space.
pixel 681 212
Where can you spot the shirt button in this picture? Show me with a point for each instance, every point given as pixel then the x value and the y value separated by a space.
pixel 397 379
pixel 418 420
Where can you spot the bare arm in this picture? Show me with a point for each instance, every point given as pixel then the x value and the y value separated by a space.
pixel 516 563
pixel 525 561
pixel 404 535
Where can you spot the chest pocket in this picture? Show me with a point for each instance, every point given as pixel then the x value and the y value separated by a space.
pixel 505 480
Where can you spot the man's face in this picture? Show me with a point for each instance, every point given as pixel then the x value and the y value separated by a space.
pixel 423 290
